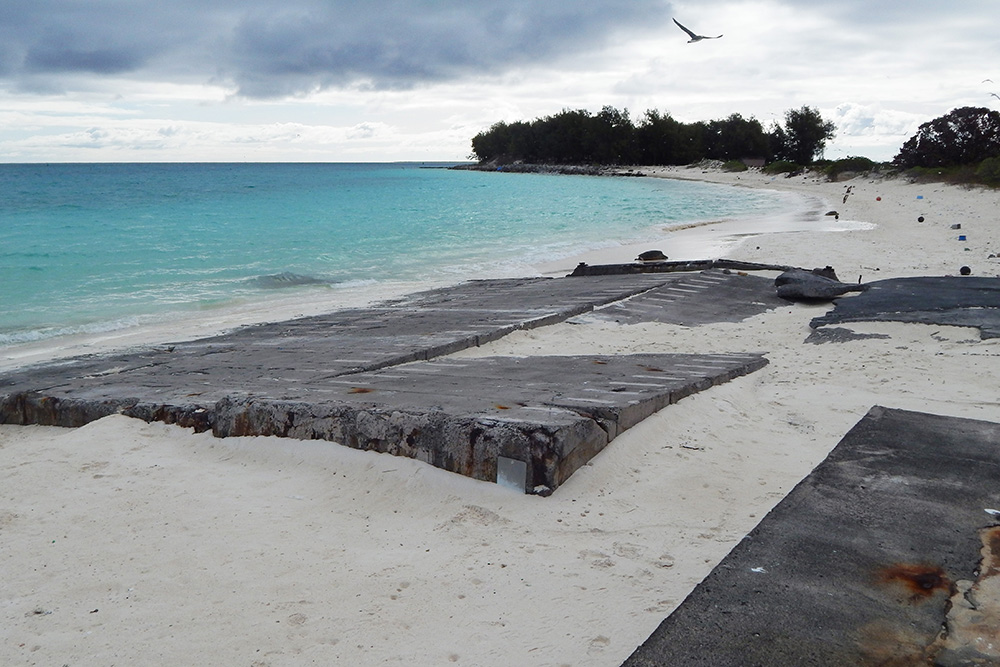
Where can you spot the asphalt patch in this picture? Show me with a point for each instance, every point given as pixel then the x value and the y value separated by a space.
pixel 838 335
pixel 961 301
pixel 870 560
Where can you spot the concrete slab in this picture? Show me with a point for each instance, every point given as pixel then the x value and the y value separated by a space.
pixel 308 350
pixel 962 301
pixel 551 413
pixel 693 299
pixel 320 377
pixel 884 545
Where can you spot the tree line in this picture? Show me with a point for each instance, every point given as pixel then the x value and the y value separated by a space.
pixel 964 142
pixel 612 137
pixel 965 136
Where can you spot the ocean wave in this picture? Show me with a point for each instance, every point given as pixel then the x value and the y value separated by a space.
pixel 346 229
pixel 44 333
pixel 286 279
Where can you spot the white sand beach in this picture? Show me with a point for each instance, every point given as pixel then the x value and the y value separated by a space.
pixel 126 543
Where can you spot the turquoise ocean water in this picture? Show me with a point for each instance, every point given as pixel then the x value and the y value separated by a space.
pixel 92 248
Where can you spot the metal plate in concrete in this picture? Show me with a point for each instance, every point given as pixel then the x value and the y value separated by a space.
pixel 961 301
pixel 693 299
pixel 863 563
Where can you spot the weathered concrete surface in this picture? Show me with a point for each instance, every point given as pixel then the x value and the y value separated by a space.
pixel 863 563
pixel 962 301
pixel 552 413
pixel 317 377
pixel 839 335
pixel 298 354
pixel 584 269
pixel 692 299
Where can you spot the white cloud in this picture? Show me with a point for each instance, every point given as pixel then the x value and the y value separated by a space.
pixel 366 130
pixel 854 119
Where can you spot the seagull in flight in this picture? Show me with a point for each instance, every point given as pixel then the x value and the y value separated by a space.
pixel 694 37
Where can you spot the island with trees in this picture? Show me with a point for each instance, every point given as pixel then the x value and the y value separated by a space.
pixel 962 145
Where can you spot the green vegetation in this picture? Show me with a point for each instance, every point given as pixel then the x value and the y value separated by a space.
pixel 988 171
pixel 782 167
pixel 612 137
pixel 803 137
pixel 850 165
pixel 965 136
pixel 966 174
pixel 962 146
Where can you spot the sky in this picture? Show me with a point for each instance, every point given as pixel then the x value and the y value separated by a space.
pixel 397 80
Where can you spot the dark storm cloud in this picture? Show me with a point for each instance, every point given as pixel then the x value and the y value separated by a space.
pixel 43 38
pixel 85 59
pixel 269 48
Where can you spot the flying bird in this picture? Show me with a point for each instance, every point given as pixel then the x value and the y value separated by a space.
pixel 694 37
pixel 995 95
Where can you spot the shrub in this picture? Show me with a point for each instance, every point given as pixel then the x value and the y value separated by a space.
pixel 782 167
pixel 988 171
pixel 961 175
pixel 734 165
pixel 855 164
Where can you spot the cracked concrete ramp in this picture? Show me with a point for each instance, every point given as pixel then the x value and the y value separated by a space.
pixel 888 553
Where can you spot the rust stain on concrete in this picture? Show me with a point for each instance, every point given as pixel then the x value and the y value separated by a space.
pixel 971 635
pixel 919 581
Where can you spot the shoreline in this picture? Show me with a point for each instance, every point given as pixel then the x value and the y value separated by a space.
pixel 127 540
pixel 198 322
pixel 897 243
